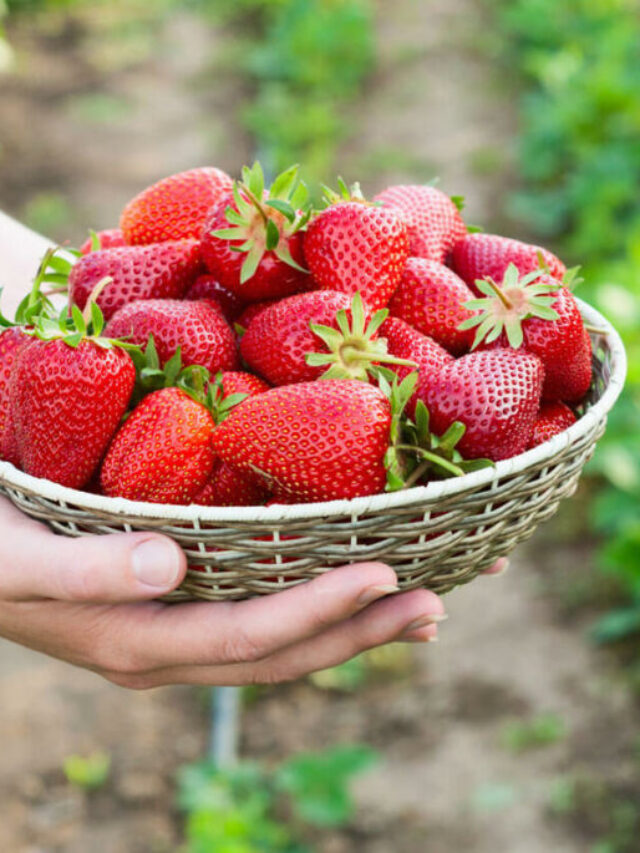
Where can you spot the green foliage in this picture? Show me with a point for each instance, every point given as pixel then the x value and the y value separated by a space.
pixel 542 730
pixel 308 60
pixel 579 159
pixel 87 772
pixel 236 810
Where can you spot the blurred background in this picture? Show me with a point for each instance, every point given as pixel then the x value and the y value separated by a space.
pixel 520 732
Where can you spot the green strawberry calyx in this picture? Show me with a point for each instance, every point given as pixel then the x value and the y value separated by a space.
pixel 53 270
pixel 73 326
pixel 505 306
pixel 260 225
pixel 353 350
pixel 415 454
pixel 194 380
pixel 346 193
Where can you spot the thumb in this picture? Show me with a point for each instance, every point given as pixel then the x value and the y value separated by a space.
pixel 118 567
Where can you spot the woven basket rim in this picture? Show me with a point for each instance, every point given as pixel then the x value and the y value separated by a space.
pixel 11 477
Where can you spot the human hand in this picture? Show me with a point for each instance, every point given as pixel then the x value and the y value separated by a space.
pixel 87 601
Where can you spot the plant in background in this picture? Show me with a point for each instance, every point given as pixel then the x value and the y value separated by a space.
pixel 87 772
pixel 579 162
pixel 236 810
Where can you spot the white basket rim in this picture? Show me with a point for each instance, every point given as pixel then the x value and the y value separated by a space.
pixel 12 477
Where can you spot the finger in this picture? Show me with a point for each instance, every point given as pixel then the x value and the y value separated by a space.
pixel 248 631
pixel 393 618
pixel 118 567
pixel 498 568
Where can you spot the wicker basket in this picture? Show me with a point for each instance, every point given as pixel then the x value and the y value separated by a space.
pixel 436 536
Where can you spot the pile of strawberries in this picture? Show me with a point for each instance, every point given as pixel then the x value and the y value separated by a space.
pixel 229 344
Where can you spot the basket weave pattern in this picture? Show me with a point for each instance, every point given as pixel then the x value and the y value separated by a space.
pixel 436 536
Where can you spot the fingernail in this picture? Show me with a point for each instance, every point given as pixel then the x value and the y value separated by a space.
pixel 156 563
pixel 373 593
pixel 504 565
pixel 431 639
pixel 423 621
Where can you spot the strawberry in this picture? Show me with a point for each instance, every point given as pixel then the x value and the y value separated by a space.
pixel 553 418
pixel 163 452
pixel 251 241
pixel 69 393
pixel 313 441
pixel 405 342
pixel 354 246
pixel 229 486
pixel 494 393
pixel 536 313
pixel 197 328
pixel 253 310
pixel 206 287
pixel 488 256
pixel 112 238
pixel 278 339
pixel 432 219
pixel 430 298
pixel 237 382
pixel 12 341
pixel 158 271
pixel 175 208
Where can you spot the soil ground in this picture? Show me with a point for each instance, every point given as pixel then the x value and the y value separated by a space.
pixel 512 650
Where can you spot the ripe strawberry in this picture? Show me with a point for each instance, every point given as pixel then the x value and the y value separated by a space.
pixel 12 341
pixel 68 396
pixel 403 341
pixel 112 238
pixel 432 219
pixel 536 313
pixel 314 441
pixel 251 241
pixel 430 298
pixel 253 310
pixel 278 339
pixel 494 393
pixel 197 328
pixel 552 419
pixel 479 256
pixel 206 287
pixel 238 382
pixel 174 208
pixel 159 271
pixel 354 246
pixel 229 486
pixel 163 452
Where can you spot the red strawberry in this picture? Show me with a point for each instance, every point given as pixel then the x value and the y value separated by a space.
pixel 12 341
pixel 536 313
pixel 488 256
pixel 229 486
pixel 163 452
pixel 253 310
pixel 403 341
pixel 495 394
pixel 68 397
pixel 430 298
pixel 159 271
pixel 251 241
pixel 206 287
pixel 552 419
pixel 174 208
pixel 432 219
pixel 237 382
pixel 354 246
pixel 314 441
pixel 202 334
pixel 112 238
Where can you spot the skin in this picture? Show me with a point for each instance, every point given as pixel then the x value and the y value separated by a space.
pixel 80 600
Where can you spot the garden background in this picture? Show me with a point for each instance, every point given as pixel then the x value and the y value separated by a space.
pixel 521 731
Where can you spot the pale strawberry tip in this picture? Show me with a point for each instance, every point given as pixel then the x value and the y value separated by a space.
pixel 353 351
pixel 505 306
